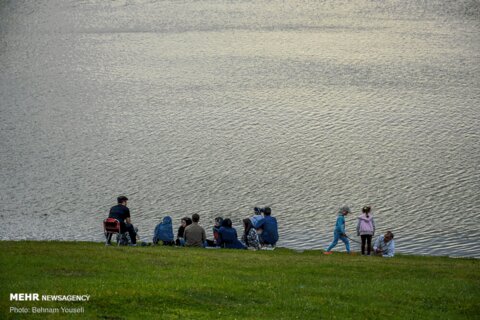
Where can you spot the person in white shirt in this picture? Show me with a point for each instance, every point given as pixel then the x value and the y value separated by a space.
pixel 384 246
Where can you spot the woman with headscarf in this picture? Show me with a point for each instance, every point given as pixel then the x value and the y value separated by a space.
pixel 227 236
pixel 164 232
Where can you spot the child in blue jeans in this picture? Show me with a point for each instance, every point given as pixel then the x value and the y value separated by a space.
pixel 339 231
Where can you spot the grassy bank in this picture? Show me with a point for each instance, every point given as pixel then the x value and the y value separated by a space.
pixel 179 283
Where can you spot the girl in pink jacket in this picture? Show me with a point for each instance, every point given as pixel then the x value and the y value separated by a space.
pixel 366 229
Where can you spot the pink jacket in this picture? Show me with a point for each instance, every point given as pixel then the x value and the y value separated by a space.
pixel 365 226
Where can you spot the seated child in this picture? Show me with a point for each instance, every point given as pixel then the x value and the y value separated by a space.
pixel 250 237
pixel 255 222
pixel 257 219
pixel 216 228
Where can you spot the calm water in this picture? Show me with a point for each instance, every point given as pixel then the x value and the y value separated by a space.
pixel 216 107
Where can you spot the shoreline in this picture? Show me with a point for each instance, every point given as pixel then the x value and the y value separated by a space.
pixel 399 254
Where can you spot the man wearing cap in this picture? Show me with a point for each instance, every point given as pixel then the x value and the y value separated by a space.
pixel 122 214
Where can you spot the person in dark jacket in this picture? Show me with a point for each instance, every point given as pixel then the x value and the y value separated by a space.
pixel 215 229
pixel 269 235
pixel 164 232
pixel 227 236
pixel 185 222
pixel 122 214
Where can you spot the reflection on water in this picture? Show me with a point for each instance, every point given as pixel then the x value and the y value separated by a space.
pixel 215 107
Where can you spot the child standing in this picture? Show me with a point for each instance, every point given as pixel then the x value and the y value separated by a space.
pixel 366 229
pixel 339 231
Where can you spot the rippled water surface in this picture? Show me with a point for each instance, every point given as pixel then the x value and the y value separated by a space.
pixel 217 106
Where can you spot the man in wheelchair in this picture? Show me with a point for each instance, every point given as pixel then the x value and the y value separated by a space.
pixel 122 214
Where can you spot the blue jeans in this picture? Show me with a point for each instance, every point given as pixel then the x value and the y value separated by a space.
pixel 266 241
pixel 337 236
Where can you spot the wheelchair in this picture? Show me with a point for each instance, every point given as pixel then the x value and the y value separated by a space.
pixel 111 226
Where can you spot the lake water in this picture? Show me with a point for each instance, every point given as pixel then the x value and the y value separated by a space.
pixel 214 107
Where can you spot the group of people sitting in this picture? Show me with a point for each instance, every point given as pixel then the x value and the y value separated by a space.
pixel 260 231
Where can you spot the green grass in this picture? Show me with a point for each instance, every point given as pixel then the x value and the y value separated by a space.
pixel 180 283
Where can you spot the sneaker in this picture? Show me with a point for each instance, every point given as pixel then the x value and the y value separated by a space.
pixel 132 245
pixel 108 244
pixel 328 252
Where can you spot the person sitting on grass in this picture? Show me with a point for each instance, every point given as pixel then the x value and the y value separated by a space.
pixel 256 222
pixel 339 230
pixel 269 235
pixel 122 214
pixel 384 246
pixel 164 232
pixel 250 236
pixel 181 230
pixel 195 234
pixel 216 227
pixel 227 236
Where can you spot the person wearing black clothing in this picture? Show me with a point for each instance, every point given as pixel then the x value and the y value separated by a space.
pixel 122 214
pixel 185 222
